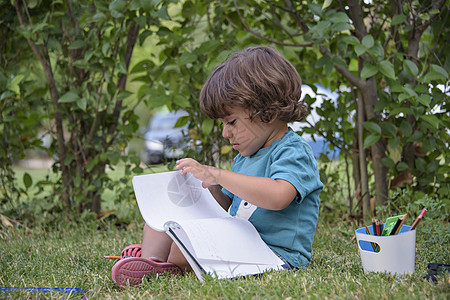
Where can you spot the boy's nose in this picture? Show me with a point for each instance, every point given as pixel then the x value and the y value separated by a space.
pixel 226 133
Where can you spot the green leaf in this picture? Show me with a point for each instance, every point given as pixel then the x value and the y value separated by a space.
pixel 436 73
pixel 319 30
pixel 123 94
pixel 389 129
pixel 82 103
pixel 368 41
pixel 368 70
pixel 432 166
pixel 371 139
pixel 315 8
pixel 409 91
pixel 14 85
pixel 388 162
pixel 142 66
pixel 341 26
pixel 376 51
pixel 406 128
pixel 396 87
pixel 207 126
pixel 324 60
pixel 394 147
pixel 338 17
pixel 326 3
pixel 350 39
pixel 410 67
pixel 68 97
pixel 208 46
pixel 387 69
pixel 403 96
pixel 187 58
pixel 421 164
pixel 402 166
pixel 432 120
pixel 372 127
pixel 400 110
pixel 122 67
pixel 424 99
pixel 27 180
pixel 398 19
pixel 117 5
pixel 183 120
pixel 105 49
pixel 181 101
pixel 434 11
pixel 360 49
pixel 91 164
pixel 77 44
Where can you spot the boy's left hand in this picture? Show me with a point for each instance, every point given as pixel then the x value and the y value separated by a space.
pixel 207 174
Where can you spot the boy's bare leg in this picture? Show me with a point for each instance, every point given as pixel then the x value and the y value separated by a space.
pixel 155 244
pixel 178 259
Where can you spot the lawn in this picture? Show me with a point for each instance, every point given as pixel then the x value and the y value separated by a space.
pixel 71 256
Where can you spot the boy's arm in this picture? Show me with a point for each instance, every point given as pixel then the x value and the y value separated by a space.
pixel 268 193
pixel 220 196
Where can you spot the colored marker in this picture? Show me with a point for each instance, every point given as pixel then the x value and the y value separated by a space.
pixel 377 225
pixel 112 257
pixel 401 224
pixel 413 226
pixel 368 232
pixel 374 227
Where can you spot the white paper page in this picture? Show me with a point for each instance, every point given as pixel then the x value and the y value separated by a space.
pixel 170 196
pixel 217 269
pixel 182 241
pixel 222 270
pixel 228 239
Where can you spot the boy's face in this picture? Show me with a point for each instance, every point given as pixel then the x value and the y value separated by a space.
pixel 245 135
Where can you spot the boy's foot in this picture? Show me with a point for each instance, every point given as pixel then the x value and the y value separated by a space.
pixel 131 251
pixel 131 271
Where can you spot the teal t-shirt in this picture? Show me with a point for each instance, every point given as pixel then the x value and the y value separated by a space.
pixel 290 231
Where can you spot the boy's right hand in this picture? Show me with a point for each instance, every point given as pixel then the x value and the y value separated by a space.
pixel 207 174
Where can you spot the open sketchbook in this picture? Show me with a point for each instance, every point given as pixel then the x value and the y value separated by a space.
pixel 212 241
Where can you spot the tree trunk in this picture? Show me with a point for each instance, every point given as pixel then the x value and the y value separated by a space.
pixel 378 150
pixel 362 162
pixel 42 56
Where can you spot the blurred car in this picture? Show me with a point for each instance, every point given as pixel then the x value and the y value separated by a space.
pixel 162 140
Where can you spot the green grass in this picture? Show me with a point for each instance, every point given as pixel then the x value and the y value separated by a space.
pixel 71 256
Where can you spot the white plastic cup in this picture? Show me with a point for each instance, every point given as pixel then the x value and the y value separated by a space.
pixel 397 252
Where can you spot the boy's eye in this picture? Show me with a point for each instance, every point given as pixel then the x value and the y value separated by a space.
pixel 228 123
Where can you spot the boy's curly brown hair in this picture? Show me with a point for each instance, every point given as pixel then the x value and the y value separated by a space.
pixel 258 79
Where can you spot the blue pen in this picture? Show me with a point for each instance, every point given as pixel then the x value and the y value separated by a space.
pixel 43 290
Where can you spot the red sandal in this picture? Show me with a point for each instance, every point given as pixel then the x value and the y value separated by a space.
pixel 131 251
pixel 131 271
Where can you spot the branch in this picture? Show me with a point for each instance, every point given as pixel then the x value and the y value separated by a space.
pixel 352 78
pixel 62 151
pixel 132 35
pixel 299 21
pixel 357 16
pixel 436 5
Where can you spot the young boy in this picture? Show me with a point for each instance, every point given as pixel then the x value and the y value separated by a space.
pixel 274 181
